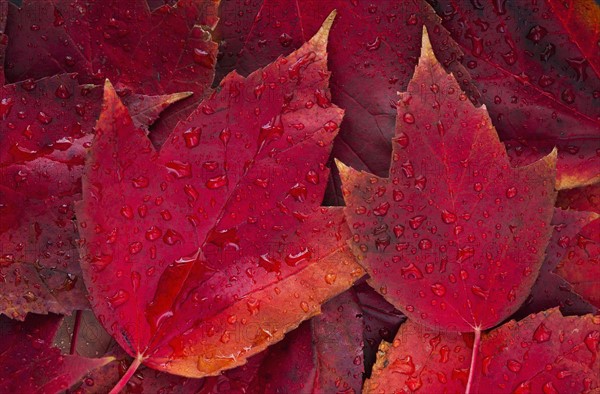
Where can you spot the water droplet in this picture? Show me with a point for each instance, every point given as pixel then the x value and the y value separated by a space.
pixel 118 299
pixel 330 278
pixel 127 212
pixel 511 192
pixel 402 140
pixel 192 137
pixel 6 105
pixel 153 233
pixel 381 209
pixel 542 334
pixel 408 118
pixel 304 306
pixel 404 366
pixel 425 244
pixel 438 289
pixel 537 33
pixel 203 58
pixel 217 182
pixel 411 271
pixel 480 292
pixel 179 169
pixel 172 237
pixel 298 192
pixel 135 247
pixel 374 45
pixel 407 169
pixel 398 230
pixel 43 118
pixel 513 365
pixel 140 182
pixel 416 221
pixel 62 92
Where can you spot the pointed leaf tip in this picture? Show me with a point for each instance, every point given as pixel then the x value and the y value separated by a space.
pixel 323 34
pixel 426 48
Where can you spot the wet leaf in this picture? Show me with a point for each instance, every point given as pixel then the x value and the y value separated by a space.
pixel 203 254
pixel 29 363
pixel 543 353
pixel 538 69
pixel 165 51
pixel 455 237
pixel 46 129
pixel 372 44
pixel 580 265
pixel 550 290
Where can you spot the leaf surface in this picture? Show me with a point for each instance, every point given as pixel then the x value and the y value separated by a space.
pixel 550 290
pixel 455 237
pixel 203 254
pixel 46 129
pixel 161 52
pixel 372 44
pixel 538 68
pixel 29 363
pixel 543 353
pixel 580 265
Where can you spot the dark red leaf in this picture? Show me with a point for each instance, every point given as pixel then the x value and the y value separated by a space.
pixel 221 245
pixel 455 237
pixel 322 355
pixel 581 199
pixel 550 290
pixel 3 37
pixel 381 321
pixel 46 128
pixel 537 66
pixel 29 363
pixel 165 51
pixel 373 48
pixel 580 265
pixel 543 353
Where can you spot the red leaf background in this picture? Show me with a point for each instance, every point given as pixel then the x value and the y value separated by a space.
pixel 266 111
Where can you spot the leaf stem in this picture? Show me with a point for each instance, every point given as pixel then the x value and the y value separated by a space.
pixel 476 343
pixel 76 326
pixel 128 374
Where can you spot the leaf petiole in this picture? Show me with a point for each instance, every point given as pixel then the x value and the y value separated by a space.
pixel 128 374
pixel 476 343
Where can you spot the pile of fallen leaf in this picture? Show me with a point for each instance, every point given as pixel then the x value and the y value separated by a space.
pixel 317 196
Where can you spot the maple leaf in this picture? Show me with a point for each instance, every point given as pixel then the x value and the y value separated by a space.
pixel 384 39
pixel 29 363
pixel 372 44
pixel 454 223
pixel 47 126
pixel 538 68
pixel 580 264
pixel 551 290
pixel 165 51
pixel 203 254
pixel 544 352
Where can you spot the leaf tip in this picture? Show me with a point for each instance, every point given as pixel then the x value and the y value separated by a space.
pixel 426 48
pixel 323 34
pixel 342 168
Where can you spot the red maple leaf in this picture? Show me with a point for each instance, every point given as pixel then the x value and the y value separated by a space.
pixel 202 254
pixel 374 44
pixel 165 51
pixel 551 290
pixel 379 43
pixel 538 69
pixel 543 353
pixel 46 128
pixel 30 364
pixel 580 264
pixel 455 237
